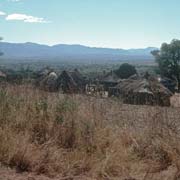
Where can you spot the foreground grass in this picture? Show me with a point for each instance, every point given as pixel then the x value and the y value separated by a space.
pixel 73 136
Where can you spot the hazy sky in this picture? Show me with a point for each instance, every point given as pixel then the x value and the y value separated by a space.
pixel 102 23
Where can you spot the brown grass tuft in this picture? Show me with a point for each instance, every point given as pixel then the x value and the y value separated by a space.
pixel 72 136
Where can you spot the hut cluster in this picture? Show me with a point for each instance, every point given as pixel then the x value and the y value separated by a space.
pixel 66 82
pixel 140 90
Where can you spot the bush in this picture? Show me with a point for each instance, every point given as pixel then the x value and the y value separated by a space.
pixel 125 71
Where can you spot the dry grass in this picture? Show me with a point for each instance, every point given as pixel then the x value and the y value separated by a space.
pixel 78 136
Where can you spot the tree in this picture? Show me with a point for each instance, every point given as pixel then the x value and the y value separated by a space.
pixel 0 51
pixel 168 59
pixel 126 70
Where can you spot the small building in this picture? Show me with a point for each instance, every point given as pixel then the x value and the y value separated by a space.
pixel 2 76
pixel 41 75
pixel 142 92
pixel 49 82
pixel 71 82
pixel 109 80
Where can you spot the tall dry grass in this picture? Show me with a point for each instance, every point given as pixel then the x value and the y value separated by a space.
pixel 73 136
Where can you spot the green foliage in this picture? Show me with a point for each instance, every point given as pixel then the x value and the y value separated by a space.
pixel 19 76
pixel 168 59
pixel 1 40
pixel 126 70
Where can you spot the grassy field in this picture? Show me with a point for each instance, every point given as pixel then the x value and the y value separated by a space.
pixel 79 137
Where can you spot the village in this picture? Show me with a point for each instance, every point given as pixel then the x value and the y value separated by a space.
pixel 89 90
pixel 138 89
pixel 50 115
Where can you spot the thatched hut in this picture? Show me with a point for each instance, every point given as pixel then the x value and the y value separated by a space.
pixel 41 75
pixel 109 80
pixel 142 92
pixel 49 82
pixel 71 82
pixel 2 76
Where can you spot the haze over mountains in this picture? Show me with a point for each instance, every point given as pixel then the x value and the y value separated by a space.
pixel 33 51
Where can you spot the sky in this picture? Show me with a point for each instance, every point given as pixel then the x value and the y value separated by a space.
pixel 98 23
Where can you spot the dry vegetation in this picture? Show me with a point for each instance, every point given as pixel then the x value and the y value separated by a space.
pixel 79 137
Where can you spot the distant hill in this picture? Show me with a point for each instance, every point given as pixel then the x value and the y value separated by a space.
pixel 33 51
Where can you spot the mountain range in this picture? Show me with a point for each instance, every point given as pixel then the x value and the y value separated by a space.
pixel 33 51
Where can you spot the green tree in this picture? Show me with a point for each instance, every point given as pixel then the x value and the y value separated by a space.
pixel 168 59
pixel 126 70
pixel 0 51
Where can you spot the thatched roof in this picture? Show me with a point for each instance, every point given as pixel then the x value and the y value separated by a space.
pixel 49 82
pixel 71 82
pixel 142 91
pixel 142 85
pixel 2 75
pixel 77 77
pixel 44 72
pixel 66 77
pixel 68 82
pixel 134 77
pixel 110 77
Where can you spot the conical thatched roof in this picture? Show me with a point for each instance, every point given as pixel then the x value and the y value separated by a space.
pixel 67 82
pixel 2 75
pixel 110 77
pixel 77 77
pixel 134 77
pixel 44 72
pixel 71 82
pixel 109 80
pixel 49 82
